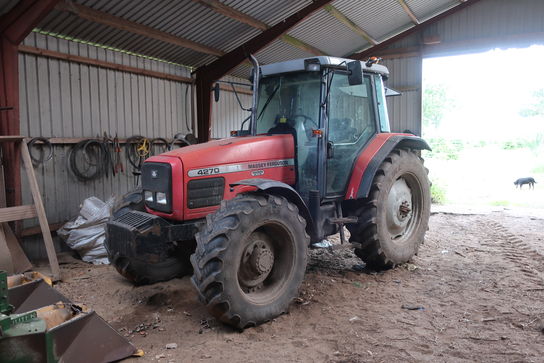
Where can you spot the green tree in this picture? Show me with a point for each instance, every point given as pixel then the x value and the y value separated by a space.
pixel 436 103
pixel 536 107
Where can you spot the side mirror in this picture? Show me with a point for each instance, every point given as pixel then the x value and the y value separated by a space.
pixel 355 76
pixel 216 92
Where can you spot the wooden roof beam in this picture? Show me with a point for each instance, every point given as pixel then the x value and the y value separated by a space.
pixel 116 22
pixel 350 24
pixel 409 11
pixel 232 13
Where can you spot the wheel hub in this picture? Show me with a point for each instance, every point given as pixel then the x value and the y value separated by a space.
pixel 257 262
pixel 404 209
pixel 261 259
pixel 399 208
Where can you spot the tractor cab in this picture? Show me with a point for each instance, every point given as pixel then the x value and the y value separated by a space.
pixel 331 106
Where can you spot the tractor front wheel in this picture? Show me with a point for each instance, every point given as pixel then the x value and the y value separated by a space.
pixel 250 259
pixel 394 218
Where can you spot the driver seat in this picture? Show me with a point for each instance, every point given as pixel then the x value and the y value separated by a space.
pixel 282 126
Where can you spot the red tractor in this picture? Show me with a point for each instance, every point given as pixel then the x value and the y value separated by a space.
pixel 315 155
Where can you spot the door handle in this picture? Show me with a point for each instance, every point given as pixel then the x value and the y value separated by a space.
pixel 330 150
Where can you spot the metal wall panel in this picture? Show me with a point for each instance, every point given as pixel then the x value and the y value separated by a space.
pixel 226 113
pixel 405 110
pixel 491 19
pixel 67 99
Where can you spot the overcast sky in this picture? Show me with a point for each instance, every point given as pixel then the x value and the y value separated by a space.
pixel 489 90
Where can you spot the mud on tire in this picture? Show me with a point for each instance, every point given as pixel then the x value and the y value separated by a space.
pixel 143 272
pixel 250 259
pixel 394 218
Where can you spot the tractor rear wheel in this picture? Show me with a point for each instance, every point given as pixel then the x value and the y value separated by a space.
pixel 250 259
pixel 394 218
pixel 141 272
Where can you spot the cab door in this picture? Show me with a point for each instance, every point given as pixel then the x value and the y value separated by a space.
pixel 351 124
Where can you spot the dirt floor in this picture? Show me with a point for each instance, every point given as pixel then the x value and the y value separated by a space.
pixel 475 292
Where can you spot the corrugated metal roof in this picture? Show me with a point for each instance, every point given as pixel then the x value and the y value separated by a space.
pixel 338 40
pixel 6 5
pixel 269 12
pixel 191 20
pixel 377 17
pixel 279 51
pixel 185 19
pixel 242 71
pixel 424 9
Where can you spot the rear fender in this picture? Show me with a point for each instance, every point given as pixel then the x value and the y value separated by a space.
pixel 275 187
pixel 373 155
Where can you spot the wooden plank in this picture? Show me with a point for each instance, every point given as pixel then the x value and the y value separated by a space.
pixel 38 204
pixel 17 213
pixel 350 24
pixel 228 88
pixel 4 138
pixel 409 11
pixel 99 63
pixel 6 263
pixel 32 231
pixel 18 257
pixel 117 22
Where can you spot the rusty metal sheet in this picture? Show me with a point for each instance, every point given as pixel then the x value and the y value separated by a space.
pixel 33 295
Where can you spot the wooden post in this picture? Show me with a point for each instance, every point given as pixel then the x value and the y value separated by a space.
pixel 15 25
pixel 40 210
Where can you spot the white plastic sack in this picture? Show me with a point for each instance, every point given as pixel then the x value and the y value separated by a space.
pixel 86 233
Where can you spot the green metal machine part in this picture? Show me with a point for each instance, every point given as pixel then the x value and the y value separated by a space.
pixel 38 324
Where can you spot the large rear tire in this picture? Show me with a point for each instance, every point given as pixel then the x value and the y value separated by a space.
pixel 250 259
pixel 142 272
pixel 394 218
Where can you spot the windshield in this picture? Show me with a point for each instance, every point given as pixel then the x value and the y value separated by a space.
pixel 288 101
pixel 289 104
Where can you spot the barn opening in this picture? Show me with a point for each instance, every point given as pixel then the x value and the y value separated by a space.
pixel 483 115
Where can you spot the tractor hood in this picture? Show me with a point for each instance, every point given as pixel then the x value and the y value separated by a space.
pixel 233 152
pixel 200 174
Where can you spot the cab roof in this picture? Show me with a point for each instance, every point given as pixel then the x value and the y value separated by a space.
pixel 297 65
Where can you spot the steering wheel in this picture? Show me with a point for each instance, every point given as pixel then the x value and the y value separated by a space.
pixel 306 125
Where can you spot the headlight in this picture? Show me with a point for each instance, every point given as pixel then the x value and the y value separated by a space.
pixel 161 198
pixel 148 196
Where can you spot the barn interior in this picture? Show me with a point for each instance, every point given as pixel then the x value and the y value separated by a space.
pixel 79 74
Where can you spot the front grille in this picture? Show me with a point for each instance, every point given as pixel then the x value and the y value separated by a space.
pixel 205 192
pixel 134 219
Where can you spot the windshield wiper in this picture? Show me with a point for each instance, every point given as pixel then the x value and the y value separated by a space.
pixel 328 87
pixel 268 100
